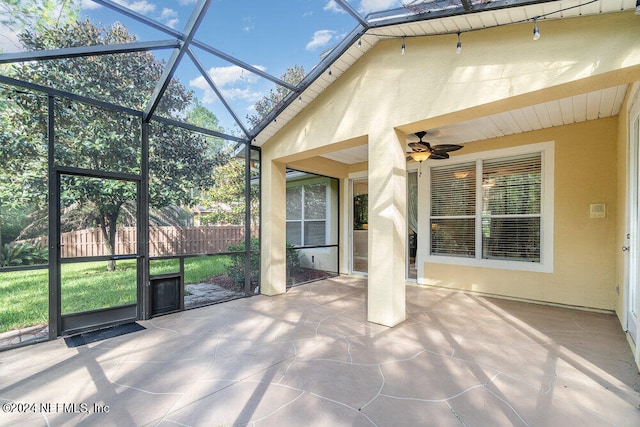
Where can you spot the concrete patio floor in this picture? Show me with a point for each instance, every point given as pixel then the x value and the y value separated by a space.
pixel 309 358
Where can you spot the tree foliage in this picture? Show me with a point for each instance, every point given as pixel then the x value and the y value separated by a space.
pixel 293 75
pixel 88 137
pixel 18 15
pixel 226 197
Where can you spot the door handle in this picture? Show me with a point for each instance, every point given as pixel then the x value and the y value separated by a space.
pixel 625 248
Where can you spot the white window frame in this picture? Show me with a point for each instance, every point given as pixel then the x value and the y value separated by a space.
pixel 546 149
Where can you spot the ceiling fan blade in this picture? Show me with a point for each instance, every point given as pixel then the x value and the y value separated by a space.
pixel 446 147
pixel 439 155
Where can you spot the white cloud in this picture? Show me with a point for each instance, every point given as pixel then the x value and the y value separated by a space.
pixel 332 6
pixel 140 6
pixel 225 76
pixel 320 39
pixel 247 94
pixel 89 5
pixel 186 2
pixel 233 82
pixel 169 17
pixel 367 6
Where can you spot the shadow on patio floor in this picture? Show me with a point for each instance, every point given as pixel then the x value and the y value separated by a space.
pixel 309 357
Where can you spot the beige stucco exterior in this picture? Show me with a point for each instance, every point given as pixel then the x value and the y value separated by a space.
pixel 386 95
pixel 584 248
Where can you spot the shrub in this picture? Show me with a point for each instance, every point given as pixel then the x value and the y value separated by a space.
pixel 236 268
pixel 293 260
pixel 23 254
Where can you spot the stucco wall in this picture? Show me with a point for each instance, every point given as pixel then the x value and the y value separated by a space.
pixel 584 265
pixel 386 95
pixel 431 85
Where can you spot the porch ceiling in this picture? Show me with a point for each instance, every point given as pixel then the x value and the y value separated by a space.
pixel 575 109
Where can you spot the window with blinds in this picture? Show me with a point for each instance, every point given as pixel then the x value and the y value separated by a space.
pixel 306 215
pixel 488 209
pixel 511 208
pixel 453 210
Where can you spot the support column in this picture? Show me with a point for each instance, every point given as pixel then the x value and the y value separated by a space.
pixel 387 228
pixel 273 277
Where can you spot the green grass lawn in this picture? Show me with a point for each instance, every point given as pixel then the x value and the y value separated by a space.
pixel 24 299
pixel 86 286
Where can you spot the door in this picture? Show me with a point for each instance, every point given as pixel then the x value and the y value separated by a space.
pixel 632 244
pixel 360 226
pixel 98 267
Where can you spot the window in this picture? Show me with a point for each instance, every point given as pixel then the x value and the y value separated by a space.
pixel 511 208
pixel 307 214
pixel 492 210
pixel 453 210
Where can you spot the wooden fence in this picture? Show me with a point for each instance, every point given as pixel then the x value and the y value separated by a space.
pixel 162 240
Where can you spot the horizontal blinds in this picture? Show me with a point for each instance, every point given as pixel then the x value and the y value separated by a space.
pixel 507 217
pixel 306 215
pixel 512 186
pixel 453 237
pixel 453 190
pixel 315 233
pixel 511 239
pixel 294 233
pixel 511 208
pixel 453 206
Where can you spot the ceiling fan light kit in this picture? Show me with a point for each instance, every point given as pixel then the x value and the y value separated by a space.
pixel 420 156
pixel 422 150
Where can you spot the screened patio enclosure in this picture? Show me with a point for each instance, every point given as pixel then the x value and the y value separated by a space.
pixel 110 236
pixel 132 141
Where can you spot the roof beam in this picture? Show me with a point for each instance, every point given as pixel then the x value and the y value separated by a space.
pixel 172 64
pixel 242 64
pixel 113 107
pixel 315 73
pixel 351 11
pixel 138 17
pixel 213 87
pixel 199 129
pixel 402 15
pixel 74 52
pixel 68 95
pixel 170 31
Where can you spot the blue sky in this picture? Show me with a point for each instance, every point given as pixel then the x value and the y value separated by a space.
pixel 270 35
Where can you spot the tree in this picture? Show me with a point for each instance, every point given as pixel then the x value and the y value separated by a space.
pixel 23 176
pixel 18 15
pixel 201 116
pixel 294 76
pixel 227 194
pixel 92 138
pixel 15 17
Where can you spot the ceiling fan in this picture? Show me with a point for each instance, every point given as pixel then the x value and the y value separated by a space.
pixel 422 150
